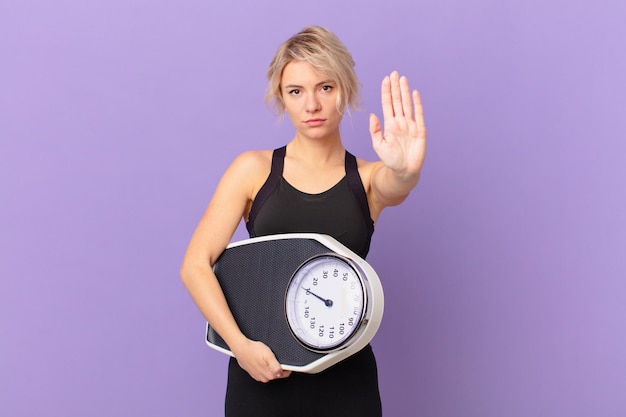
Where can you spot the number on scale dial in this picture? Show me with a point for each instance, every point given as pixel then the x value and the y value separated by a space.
pixel 325 302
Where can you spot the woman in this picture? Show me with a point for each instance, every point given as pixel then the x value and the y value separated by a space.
pixel 311 185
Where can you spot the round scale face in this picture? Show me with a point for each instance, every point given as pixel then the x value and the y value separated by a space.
pixel 325 302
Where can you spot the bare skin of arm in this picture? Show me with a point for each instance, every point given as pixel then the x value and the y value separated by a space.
pixel 229 204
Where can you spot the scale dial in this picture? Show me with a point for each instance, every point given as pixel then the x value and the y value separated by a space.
pixel 325 303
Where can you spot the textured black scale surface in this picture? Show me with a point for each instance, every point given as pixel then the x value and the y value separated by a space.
pixel 254 279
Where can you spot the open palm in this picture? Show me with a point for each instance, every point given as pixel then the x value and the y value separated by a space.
pixel 401 146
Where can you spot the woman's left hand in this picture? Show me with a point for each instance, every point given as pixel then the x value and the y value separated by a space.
pixel 402 144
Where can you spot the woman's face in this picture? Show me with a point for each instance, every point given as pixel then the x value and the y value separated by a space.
pixel 310 100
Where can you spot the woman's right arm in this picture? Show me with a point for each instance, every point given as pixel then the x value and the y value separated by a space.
pixel 230 203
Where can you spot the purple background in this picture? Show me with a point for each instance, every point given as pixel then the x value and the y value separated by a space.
pixel 504 272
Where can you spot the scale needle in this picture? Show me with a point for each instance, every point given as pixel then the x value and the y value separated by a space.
pixel 327 302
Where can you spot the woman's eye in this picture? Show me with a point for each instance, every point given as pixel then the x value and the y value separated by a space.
pixel 294 92
pixel 327 88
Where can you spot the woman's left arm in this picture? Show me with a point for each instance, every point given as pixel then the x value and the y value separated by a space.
pixel 401 147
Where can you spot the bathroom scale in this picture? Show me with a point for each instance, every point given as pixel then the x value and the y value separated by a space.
pixel 308 297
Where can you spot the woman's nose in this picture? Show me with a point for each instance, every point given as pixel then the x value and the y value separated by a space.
pixel 313 104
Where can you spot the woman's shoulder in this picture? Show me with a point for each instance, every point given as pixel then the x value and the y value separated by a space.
pixel 251 168
pixel 254 159
pixel 366 168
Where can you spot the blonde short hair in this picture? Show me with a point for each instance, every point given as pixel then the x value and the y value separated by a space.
pixel 323 51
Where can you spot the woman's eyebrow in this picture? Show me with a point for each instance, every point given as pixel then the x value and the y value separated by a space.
pixel 318 84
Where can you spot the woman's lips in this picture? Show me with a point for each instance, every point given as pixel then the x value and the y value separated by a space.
pixel 315 122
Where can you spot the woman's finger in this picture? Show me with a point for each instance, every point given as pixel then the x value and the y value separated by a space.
pixel 396 94
pixel 385 97
pixel 419 110
pixel 406 97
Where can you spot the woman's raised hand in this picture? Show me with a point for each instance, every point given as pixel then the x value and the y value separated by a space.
pixel 401 146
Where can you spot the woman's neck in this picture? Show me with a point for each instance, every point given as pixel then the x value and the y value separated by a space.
pixel 321 151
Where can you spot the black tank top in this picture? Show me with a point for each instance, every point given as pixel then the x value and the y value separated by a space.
pixel 341 212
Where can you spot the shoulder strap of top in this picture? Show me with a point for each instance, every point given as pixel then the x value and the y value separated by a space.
pixel 276 172
pixel 356 186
